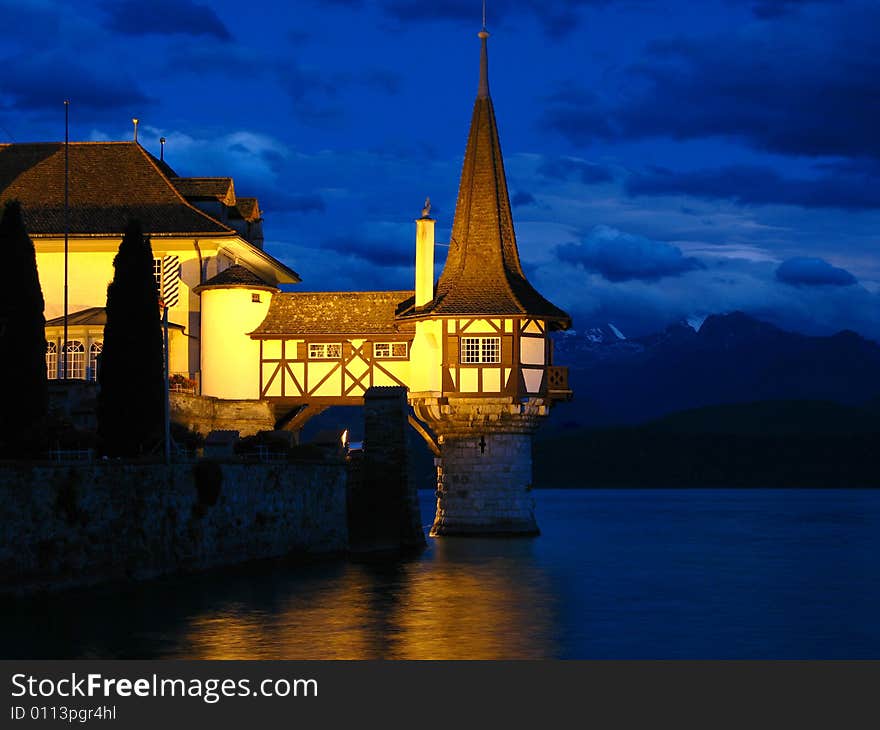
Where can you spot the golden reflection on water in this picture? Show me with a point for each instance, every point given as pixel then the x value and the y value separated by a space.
pixel 465 599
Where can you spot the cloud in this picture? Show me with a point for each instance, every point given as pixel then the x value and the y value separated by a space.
pixel 779 87
pixel 565 168
pixel 759 184
pixel 772 9
pixel 521 197
pixel 279 201
pixel 808 271
pixel 164 17
pixel 620 256
pixel 719 286
pixel 38 83
pixel 559 17
pixel 373 251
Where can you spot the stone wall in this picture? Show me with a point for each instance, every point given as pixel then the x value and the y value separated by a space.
pixel 484 474
pixel 203 414
pixel 484 486
pixel 64 526
pixel 383 504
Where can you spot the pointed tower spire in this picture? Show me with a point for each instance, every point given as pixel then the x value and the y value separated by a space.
pixel 483 274
pixel 483 90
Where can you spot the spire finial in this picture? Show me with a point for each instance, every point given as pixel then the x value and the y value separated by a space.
pixel 483 90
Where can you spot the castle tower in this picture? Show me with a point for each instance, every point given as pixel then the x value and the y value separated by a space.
pixel 482 376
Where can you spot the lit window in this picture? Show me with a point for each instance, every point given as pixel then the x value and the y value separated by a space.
pixel 390 349
pixel 480 349
pixel 95 350
pixel 325 351
pixel 52 360
pixel 157 274
pixel 75 356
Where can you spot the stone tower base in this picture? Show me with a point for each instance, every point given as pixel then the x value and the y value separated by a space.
pixel 484 486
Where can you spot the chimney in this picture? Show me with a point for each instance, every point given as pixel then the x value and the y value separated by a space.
pixel 425 256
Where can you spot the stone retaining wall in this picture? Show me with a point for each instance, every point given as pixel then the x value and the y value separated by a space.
pixel 76 525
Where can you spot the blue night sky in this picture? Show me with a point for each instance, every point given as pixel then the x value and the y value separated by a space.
pixel 666 160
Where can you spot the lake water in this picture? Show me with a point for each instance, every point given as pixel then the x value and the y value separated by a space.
pixel 774 574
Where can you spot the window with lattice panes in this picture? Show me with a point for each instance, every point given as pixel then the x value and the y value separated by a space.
pixel 157 274
pixel 478 350
pixel 325 350
pixel 94 351
pixel 52 360
pixel 383 350
pixel 75 356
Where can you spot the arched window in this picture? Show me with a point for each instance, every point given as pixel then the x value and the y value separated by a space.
pixel 52 360
pixel 75 354
pixel 94 350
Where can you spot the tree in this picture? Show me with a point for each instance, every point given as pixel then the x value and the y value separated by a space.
pixel 131 367
pixel 22 342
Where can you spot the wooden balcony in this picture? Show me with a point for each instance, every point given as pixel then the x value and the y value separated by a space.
pixel 557 383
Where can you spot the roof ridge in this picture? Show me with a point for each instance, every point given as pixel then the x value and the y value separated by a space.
pixel 176 192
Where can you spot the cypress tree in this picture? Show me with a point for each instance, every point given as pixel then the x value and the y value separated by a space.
pixel 22 342
pixel 131 369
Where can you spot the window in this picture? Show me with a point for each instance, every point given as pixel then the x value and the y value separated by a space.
pixel 52 360
pixel 325 351
pixel 390 349
pixel 157 274
pixel 94 350
pixel 75 356
pixel 480 349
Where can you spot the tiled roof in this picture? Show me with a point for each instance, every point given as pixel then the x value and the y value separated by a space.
pixel 335 313
pixel 483 274
pixel 236 275
pixel 206 188
pixel 246 208
pixel 110 183
pixel 93 316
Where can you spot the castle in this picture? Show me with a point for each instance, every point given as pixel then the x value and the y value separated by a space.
pixel 473 350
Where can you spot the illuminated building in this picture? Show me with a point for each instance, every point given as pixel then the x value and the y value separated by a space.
pixel 474 351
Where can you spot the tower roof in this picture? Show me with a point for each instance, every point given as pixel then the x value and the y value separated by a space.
pixel 483 274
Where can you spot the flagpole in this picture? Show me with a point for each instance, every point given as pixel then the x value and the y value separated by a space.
pixel 66 227
pixel 167 387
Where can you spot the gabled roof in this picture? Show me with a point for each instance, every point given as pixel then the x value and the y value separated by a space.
pixel 206 188
pixel 483 273
pixel 110 183
pixel 246 208
pixel 236 275
pixel 335 313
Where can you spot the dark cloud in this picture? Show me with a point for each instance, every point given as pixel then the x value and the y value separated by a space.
pixel 770 9
pixel 559 17
pixel 805 87
pixel 759 184
pixel 278 201
pixel 807 271
pixel 164 17
pixel 43 82
pixel 566 168
pixel 620 256
pixel 521 197
pixel 378 253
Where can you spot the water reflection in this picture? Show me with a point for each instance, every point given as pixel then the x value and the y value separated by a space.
pixel 632 574
pixel 465 599
pixel 462 598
